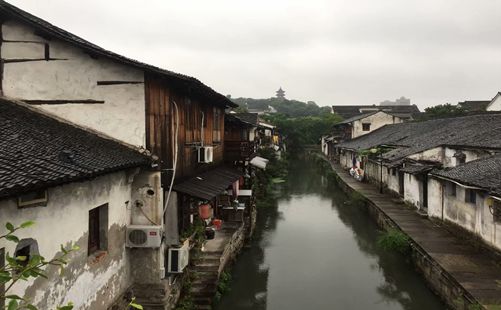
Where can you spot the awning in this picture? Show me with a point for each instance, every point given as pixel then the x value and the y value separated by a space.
pixel 259 162
pixel 209 184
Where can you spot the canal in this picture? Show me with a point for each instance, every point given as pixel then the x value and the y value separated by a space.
pixel 314 250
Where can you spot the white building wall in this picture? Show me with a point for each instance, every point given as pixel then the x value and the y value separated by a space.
pixel 377 120
pixel 435 198
pixel 476 218
pixel 89 282
pixel 412 190
pixel 392 180
pixel 74 77
pixel 495 105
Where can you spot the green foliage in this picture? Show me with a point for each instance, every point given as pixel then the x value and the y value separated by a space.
pixel 197 230
pixel 394 240
pixel 300 131
pixel 186 303
pixel 22 268
pixel 442 111
pixel 134 305
pixel 290 108
pixel 356 199
pixel 223 286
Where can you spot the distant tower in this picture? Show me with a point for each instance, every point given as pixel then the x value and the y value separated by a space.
pixel 280 93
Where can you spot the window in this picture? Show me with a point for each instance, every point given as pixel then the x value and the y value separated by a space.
pixel 366 127
pixel 393 171
pixel 470 196
pixel 2 286
pixel 217 125
pixel 98 229
pixel 27 248
pixel 32 199
pixel 452 189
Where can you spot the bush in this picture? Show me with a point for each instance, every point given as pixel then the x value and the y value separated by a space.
pixel 394 240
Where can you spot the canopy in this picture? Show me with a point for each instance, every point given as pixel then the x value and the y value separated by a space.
pixel 209 184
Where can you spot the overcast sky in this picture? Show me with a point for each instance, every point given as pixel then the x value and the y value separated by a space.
pixel 331 52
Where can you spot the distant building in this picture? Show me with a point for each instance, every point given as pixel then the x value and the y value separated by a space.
pixel 348 111
pixel 495 104
pixel 280 93
pixel 401 101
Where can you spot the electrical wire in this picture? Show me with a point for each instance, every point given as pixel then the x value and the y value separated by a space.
pixel 175 160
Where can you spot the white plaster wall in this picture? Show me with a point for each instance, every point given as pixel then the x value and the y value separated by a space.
pixel 460 212
pixel 65 220
pixel 435 154
pixel 376 120
pixel 392 182
pixel 451 161
pixel 122 116
pixel 412 190
pixel 495 105
pixel 434 198
pixel 345 159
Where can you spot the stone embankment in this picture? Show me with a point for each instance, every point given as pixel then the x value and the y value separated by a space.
pixel 465 277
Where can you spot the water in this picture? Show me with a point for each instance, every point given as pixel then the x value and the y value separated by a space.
pixel 312 250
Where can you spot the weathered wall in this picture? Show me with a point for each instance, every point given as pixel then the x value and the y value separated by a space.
pixel 161 127
pixel 435 189
pixel 413 189
pixel 476 218
pixel 90 282
pixel 71 74
pixel 460 212
pixel 377 120
pixel 434 154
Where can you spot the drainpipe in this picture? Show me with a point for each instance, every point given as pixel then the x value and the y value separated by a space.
pixel 202 130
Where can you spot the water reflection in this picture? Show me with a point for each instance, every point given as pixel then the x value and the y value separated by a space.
pixel 312 250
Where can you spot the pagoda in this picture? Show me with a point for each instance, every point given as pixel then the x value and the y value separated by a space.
pixel 280 93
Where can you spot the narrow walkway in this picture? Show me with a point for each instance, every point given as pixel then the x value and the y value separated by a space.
pixel 207 265
pixel 473 270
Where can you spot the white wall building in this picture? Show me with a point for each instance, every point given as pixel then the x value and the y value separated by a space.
pixel 80 189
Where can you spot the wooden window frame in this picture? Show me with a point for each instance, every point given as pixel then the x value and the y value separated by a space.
pixel 365 128
pixel 37 202
pixel 98 230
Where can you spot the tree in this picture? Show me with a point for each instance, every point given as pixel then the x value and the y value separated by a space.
pixel 442 111
pixel 22 268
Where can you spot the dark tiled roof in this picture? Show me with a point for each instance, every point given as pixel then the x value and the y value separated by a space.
pixel 251 118
pixel 348 111
pixel 232 119
pixel 37 151
pixel 209 184
pixel 474 105
pixel 357 117
pixel 484 173
pixel 480 131
pixel 186 84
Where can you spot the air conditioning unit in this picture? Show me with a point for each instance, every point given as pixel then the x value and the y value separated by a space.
pixel 205 154
pixel 178 258
pixel 143 236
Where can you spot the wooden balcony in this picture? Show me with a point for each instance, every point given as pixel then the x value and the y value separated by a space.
pixel 239 150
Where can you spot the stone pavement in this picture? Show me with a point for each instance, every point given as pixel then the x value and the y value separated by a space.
pixel 475 271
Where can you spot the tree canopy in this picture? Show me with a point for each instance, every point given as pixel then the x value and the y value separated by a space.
pixel 290 108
